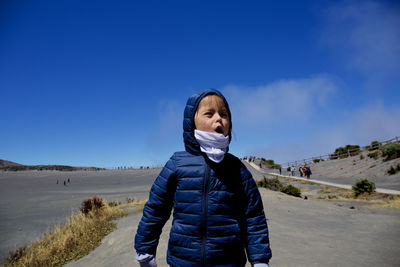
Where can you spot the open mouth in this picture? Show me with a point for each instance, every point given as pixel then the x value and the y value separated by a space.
pixel 219 130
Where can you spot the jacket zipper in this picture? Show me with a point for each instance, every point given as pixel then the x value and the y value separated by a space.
pixel 204 217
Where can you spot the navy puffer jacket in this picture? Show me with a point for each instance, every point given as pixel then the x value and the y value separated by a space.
pixel 217 208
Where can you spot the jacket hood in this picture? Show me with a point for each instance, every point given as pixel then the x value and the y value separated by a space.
pixel 191 144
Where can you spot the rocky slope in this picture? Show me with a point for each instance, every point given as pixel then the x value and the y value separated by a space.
pixel 350 169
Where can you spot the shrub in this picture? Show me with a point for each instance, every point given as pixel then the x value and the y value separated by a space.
pixel 17 254
pixel 90 204
pixel 291 190
pixel 316 160
pixel 270 164
pixel 277 166
pixel 114 203
pixel 373 155
pixel 344 152
pixel 130 200
pixel 391 151
pixel 333 156
pixel 393 170
pixel 363 186
pixel 261 183
pixel 272 184
pixel 374 145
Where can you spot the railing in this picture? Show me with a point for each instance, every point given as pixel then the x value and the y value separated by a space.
pixel 348 153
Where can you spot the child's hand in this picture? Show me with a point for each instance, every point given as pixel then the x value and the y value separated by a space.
pixel 151 263
pixel 146 260
pixel 148 264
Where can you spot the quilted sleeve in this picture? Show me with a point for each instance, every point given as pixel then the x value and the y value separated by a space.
pixel 258 248
pixel 156 211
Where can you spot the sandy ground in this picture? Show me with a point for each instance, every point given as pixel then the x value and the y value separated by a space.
pixel 303 232
pixel 32 201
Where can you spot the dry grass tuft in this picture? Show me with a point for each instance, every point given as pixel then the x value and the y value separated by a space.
pixel 135 201
pixel 391 202
pixel 379 200
pixel 305 182
pixel 338 192
pixel 71 241
pixel 331 193
pixel 327 190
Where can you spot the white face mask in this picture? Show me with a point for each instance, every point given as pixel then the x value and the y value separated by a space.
pixel 214 145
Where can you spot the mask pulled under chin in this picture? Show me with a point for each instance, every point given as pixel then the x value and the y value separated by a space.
pixel 214 145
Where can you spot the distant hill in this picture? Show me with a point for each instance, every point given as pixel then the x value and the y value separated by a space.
pixel 6 165
pixel 378 163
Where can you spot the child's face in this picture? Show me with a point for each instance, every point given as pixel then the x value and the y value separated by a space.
pixel 212 116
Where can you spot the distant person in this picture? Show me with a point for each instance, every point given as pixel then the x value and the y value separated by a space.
pixel 57 181
pixel 301 171
pixel 68 180
pixel 64 183
pixel 218 211
pixel 293 170
pixel 288 170
pixel 280 170
pixel 307 172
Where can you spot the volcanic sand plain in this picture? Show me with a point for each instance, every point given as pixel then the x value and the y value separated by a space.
pixel 303 232
pixel 309 232
pixel 32 202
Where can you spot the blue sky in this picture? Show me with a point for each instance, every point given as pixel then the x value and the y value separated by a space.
pixel 105 83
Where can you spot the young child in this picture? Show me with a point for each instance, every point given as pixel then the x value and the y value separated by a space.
pixel 217 209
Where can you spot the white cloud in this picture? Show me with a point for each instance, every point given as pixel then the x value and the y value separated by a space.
pixel 369 123
pixel 268 120
pixel 360 127
pixel 294 99
pixel 366 34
